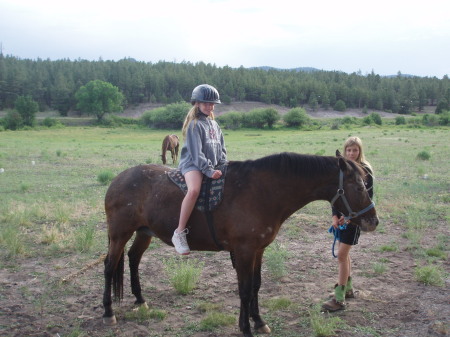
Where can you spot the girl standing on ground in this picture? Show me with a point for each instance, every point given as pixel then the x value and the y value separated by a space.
pixel 203 150
pixel 349 233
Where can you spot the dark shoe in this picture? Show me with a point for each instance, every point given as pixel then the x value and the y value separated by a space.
pixel 349 294
pixel 333 305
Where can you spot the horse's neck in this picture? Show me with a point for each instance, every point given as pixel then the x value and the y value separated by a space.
pixel 297 193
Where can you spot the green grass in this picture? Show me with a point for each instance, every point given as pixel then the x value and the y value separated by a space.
pixel 430 275
pixel 143 314
pixel 275 260
pixel 275 304
pixel 215 320
pixel 324 325
pixel 183 273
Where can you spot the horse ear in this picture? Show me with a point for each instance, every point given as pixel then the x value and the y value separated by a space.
pixel 338 153
pixel 342 163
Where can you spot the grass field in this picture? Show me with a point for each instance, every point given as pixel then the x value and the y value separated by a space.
pixel 51 201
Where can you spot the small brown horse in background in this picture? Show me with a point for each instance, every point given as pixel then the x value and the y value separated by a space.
pixel 259 195
pixel 170 143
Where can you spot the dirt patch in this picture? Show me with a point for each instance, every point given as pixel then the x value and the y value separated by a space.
pixel 35 301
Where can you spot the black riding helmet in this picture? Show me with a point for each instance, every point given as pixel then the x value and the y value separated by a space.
pixel 205 93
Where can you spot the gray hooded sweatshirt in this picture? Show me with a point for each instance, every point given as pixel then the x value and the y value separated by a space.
pixel 203 148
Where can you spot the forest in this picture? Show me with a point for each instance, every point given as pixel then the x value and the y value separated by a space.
pixel 53 84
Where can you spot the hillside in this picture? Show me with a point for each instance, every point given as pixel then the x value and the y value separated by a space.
pixel 137 111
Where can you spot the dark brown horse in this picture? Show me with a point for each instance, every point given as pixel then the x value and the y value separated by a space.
pixel 259 196
pixel 170 143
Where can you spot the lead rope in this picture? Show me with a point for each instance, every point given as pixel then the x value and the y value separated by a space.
pixel 337 235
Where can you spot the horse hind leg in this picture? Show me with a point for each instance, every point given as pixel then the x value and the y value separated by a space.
pixel 139 246
pixel 113 279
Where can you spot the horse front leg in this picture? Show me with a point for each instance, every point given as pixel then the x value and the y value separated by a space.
pixel 260 325
pixel 140 244
pixel 245 263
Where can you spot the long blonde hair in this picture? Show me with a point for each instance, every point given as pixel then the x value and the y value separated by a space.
pixel 361 158
pixel 192 115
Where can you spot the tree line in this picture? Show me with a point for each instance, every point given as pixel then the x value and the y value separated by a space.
pixel 54 84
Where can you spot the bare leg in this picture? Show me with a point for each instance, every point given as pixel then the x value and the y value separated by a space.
pixel 193 182
pixel 344 263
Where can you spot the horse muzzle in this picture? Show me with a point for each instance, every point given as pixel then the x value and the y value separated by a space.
pixel 369 224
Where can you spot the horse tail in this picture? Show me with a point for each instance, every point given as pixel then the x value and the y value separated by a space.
pixel 118 279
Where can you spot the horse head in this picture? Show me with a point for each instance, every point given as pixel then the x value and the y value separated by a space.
pixel 352 198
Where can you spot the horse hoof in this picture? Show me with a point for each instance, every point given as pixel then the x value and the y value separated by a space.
pixel 110 320
pixel 263 329
pixel 141 305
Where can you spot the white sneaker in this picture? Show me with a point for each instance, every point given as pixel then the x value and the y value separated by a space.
pixel 180 243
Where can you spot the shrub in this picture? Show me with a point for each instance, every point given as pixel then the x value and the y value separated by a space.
pixel 430 120
pixel 340 105
pixel 367 120
pixel 231 120
pixel 168 117
pixel 349 120
pixel 296 117
pixel 444 118
pixel 13 120
pixel 254 119
pixel 52 122
pixel 442 106
pixel 27 108
pixel 376 118
pixel 258 118
pixel 400 120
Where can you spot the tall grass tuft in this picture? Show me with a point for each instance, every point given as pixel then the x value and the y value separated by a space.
pixel 105 177
pixel 84 238
pixel 323 325
pixel 275 260
pixel 51 234
pixel 11 238
pixel 275 304
pixel 216 319
pixel 183 273
pixel 430 275
pixel 423 155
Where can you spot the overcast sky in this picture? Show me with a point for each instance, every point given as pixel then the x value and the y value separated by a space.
pixel 412 37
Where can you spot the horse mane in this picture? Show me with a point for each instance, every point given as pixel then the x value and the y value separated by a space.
pixel 288 163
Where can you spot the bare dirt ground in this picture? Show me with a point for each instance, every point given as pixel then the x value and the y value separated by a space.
pixel 36 301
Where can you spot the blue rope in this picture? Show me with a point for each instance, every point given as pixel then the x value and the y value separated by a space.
pixel 337 235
